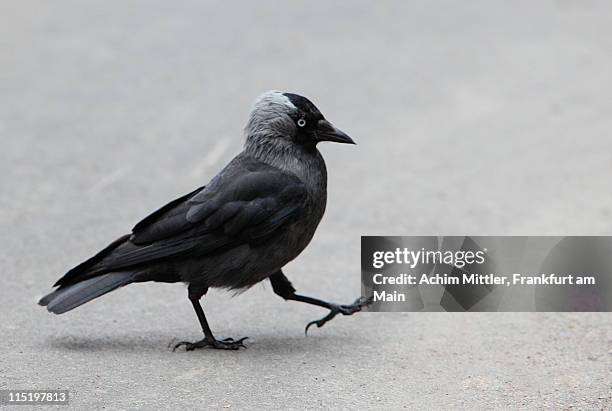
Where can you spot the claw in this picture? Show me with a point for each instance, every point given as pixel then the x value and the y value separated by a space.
pixel 320 323
pixel 349 309
pixel 225 344
pixel 308 326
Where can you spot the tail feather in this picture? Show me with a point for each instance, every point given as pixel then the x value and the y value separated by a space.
pixel 68 297
pixel 49 297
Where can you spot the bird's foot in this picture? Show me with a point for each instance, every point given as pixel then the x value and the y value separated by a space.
pixel 336 309
pixel 226 344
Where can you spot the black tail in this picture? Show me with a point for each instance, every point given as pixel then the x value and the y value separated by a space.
pixel 71 296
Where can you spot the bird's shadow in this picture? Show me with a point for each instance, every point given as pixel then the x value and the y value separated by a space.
pixel 120 343
pixel 130 343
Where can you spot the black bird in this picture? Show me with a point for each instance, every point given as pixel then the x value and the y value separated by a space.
pixel 253 217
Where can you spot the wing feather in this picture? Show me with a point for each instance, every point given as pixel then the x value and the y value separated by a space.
pixel 242 204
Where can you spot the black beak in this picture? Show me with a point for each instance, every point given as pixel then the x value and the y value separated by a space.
pixel 327 132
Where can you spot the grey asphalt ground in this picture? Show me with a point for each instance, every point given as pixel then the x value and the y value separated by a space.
pixel 478 117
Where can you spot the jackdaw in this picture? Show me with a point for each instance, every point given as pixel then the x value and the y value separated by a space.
pixel 251 219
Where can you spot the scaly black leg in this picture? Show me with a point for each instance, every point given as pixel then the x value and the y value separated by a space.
pixel 283 287
pixel 209 339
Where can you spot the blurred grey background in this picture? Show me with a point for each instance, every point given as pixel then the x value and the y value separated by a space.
pixel 472 118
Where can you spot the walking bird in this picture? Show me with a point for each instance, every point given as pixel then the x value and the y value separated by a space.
pixel 257 214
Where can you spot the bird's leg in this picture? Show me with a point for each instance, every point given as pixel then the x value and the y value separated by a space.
pixel 283 287
pixel 209 339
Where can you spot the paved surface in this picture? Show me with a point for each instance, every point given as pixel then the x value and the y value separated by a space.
pixel 479 118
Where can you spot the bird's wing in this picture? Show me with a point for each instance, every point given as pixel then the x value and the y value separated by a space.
pixel 92 265
pixel 245 203
pixel 168 213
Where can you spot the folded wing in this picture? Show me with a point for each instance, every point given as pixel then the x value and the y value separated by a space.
pixel 247 202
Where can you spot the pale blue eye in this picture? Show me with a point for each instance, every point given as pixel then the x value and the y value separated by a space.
pixel 301 122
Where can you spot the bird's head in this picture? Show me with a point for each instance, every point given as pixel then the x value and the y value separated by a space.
pixel 286 118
